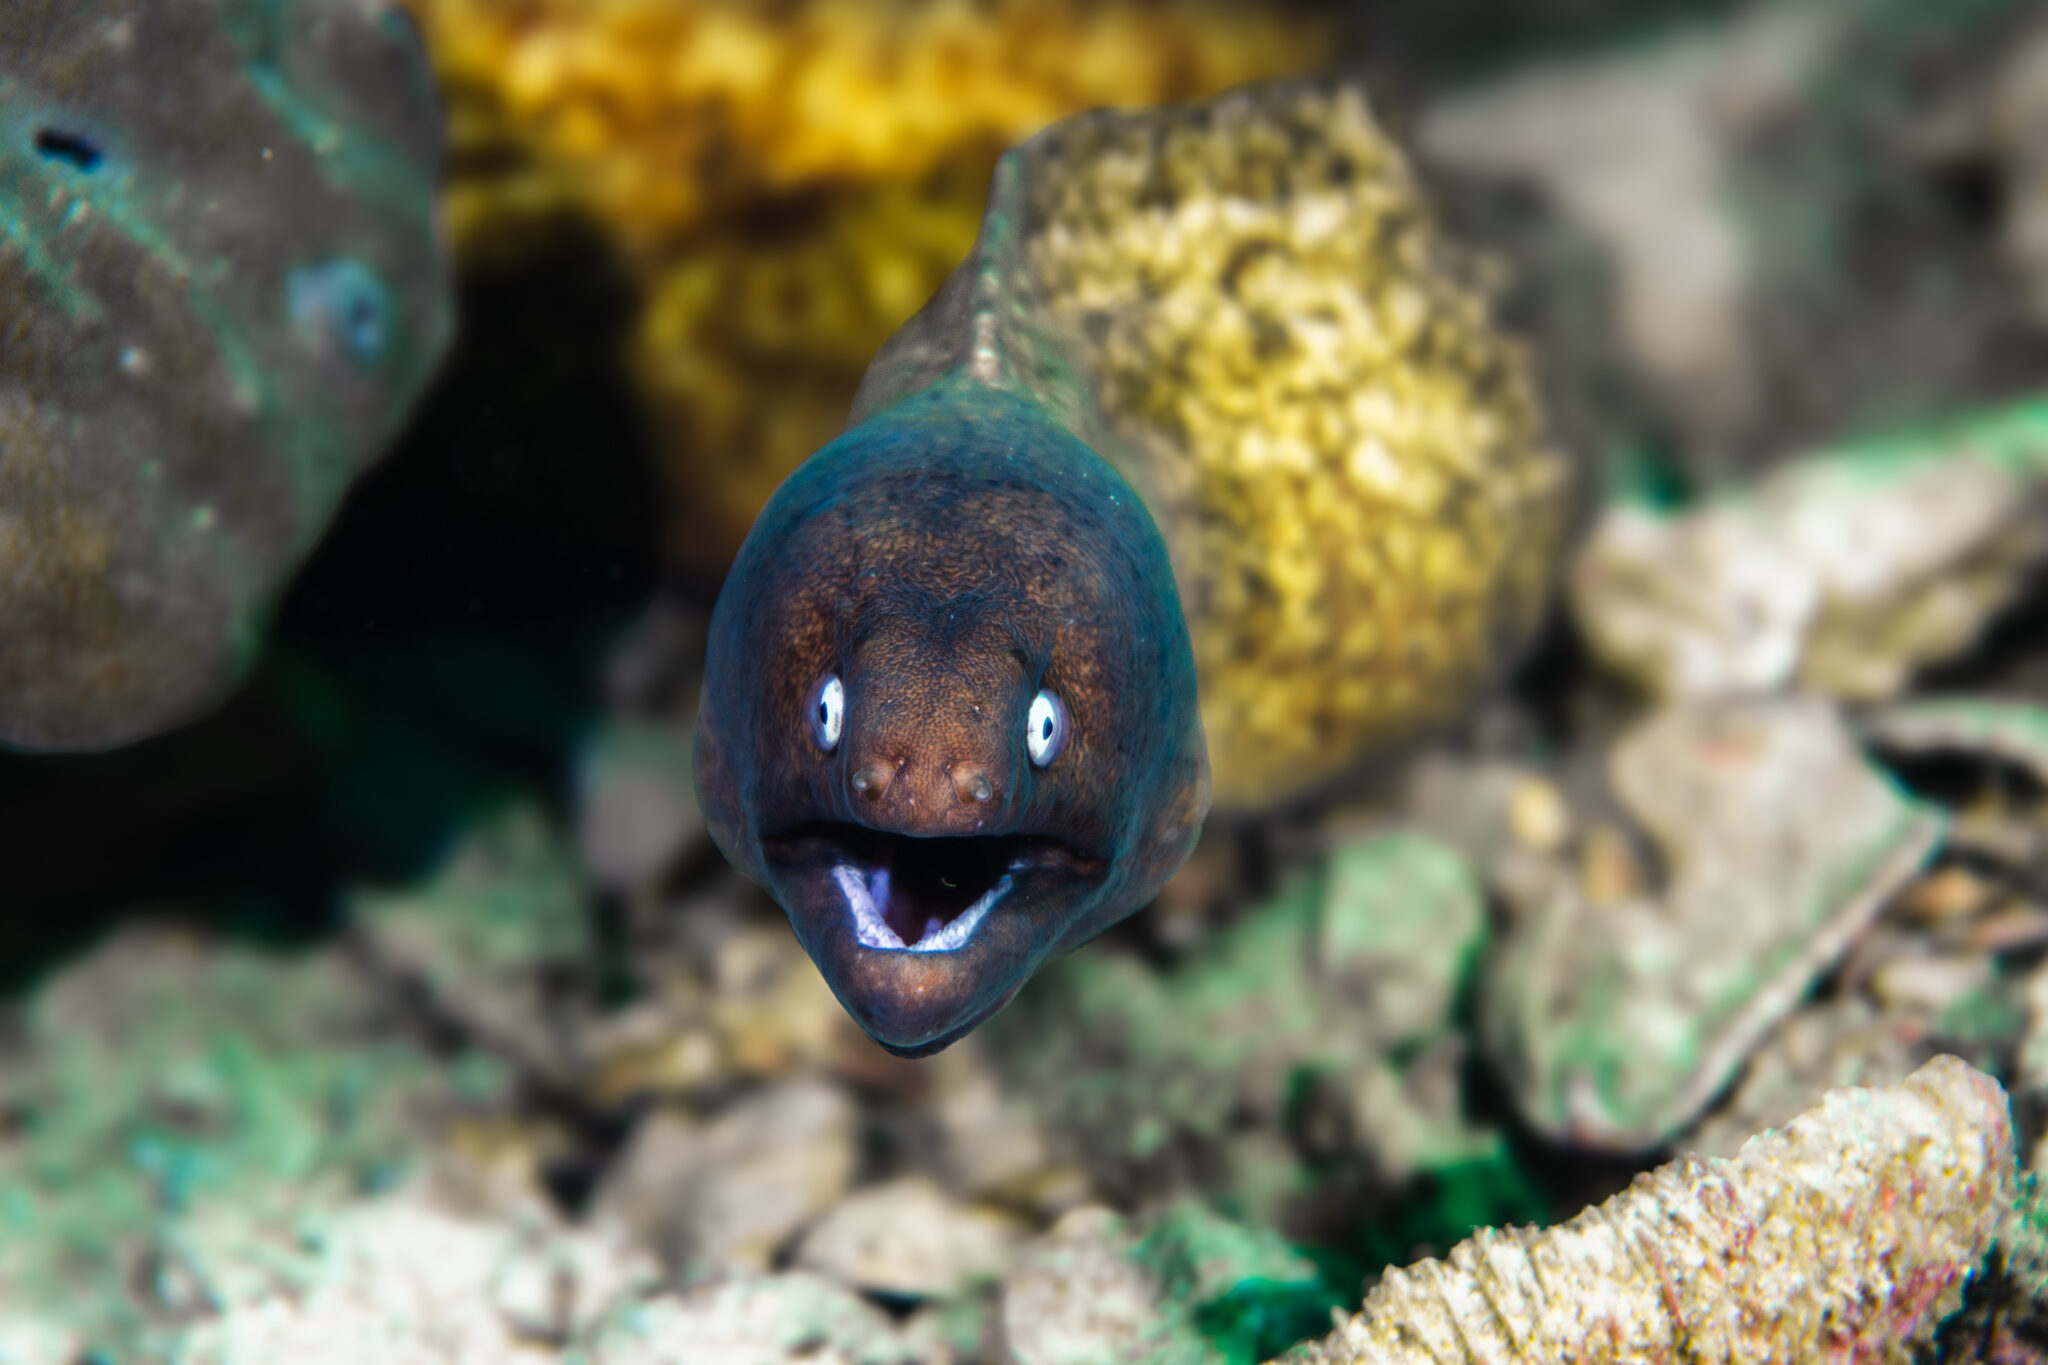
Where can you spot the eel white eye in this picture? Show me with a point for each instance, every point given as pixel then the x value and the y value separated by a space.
pixel 828 711
pixel 1045 729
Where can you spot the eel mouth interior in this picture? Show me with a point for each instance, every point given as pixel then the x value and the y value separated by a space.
pixel 903 893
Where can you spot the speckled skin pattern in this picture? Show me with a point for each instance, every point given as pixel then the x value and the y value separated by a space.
pixel 221 287
pixel 1242 308
pixel 947 559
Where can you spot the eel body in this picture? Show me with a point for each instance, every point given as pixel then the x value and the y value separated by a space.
pixel 221 288
pixel 1209 401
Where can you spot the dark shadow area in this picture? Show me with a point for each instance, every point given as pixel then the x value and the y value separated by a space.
pixel 2001 1317
pixel 1568 1179
pixel 1411 45
pixel 439 652
pixel 2010 658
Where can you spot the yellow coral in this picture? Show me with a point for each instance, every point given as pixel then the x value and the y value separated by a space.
pixel 789 181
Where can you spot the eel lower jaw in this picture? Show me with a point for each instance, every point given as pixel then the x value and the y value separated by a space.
pixel 923 894
pixel 923 938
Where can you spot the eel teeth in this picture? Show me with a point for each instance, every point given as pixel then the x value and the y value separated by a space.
pixel 872 930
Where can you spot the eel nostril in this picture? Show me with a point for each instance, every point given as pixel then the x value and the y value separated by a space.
pixel 972 785
pixel 868 777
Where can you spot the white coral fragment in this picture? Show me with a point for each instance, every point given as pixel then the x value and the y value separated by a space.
pixel 1847 1235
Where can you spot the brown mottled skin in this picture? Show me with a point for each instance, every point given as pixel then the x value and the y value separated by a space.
pixel 947 559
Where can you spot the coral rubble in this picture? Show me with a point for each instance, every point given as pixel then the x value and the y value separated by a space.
pixel 1843 572
pixel 1851 1234
pixel 182 1117
pixel 1616 1019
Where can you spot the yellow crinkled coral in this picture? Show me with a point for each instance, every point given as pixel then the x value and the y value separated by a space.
pixel 1348 461
pixel 789 181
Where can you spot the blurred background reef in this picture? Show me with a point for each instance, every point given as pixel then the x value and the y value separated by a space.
pixel 784 185
pixel 402 1000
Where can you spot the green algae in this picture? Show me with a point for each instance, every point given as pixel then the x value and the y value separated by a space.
pixel 183 1116
pixel 1400 930
pixel 1304 1058
pixel 1243 1293
pixel 1453 1200
pixel 958 1325
pixel 1167 1051
pixel 1186 1286
pixel 1978 1025
pixel 489 940
pixel 1616 1023
pixel 179 1108
pixel 1352 959
pixel 2012 438
pixel 506 902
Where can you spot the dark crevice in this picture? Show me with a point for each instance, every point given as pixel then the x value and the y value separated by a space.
pixel 75 150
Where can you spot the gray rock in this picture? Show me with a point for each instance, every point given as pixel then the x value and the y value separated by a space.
pixel 1076 1297
pixel 1616 1024
pixel 992 1142
pixel 1402 922
pixel 729 1193
pixel 480 936
pixel 1999 122
pixel 636 807
pixel 756 1320
pixel 1838 1042
pixel 1930 985
pixel 399 1282
pixel 909 1237
pixel 1636 146
pixel 1841 573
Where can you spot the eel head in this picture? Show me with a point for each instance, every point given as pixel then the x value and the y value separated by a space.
pixel 949 715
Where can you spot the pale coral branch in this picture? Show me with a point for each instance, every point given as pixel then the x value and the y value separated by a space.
pixel 1846 1236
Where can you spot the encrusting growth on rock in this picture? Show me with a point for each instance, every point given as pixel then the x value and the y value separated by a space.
pixel 221 289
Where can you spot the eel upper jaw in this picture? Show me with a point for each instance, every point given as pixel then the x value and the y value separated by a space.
pixel 922 938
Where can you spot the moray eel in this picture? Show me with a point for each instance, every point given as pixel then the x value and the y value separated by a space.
pixel 222 287
pixel 1210 402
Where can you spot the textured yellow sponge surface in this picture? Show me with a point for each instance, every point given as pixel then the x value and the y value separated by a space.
pixel 1347 459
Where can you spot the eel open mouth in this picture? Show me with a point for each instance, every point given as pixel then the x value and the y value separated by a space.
pixel 926 895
